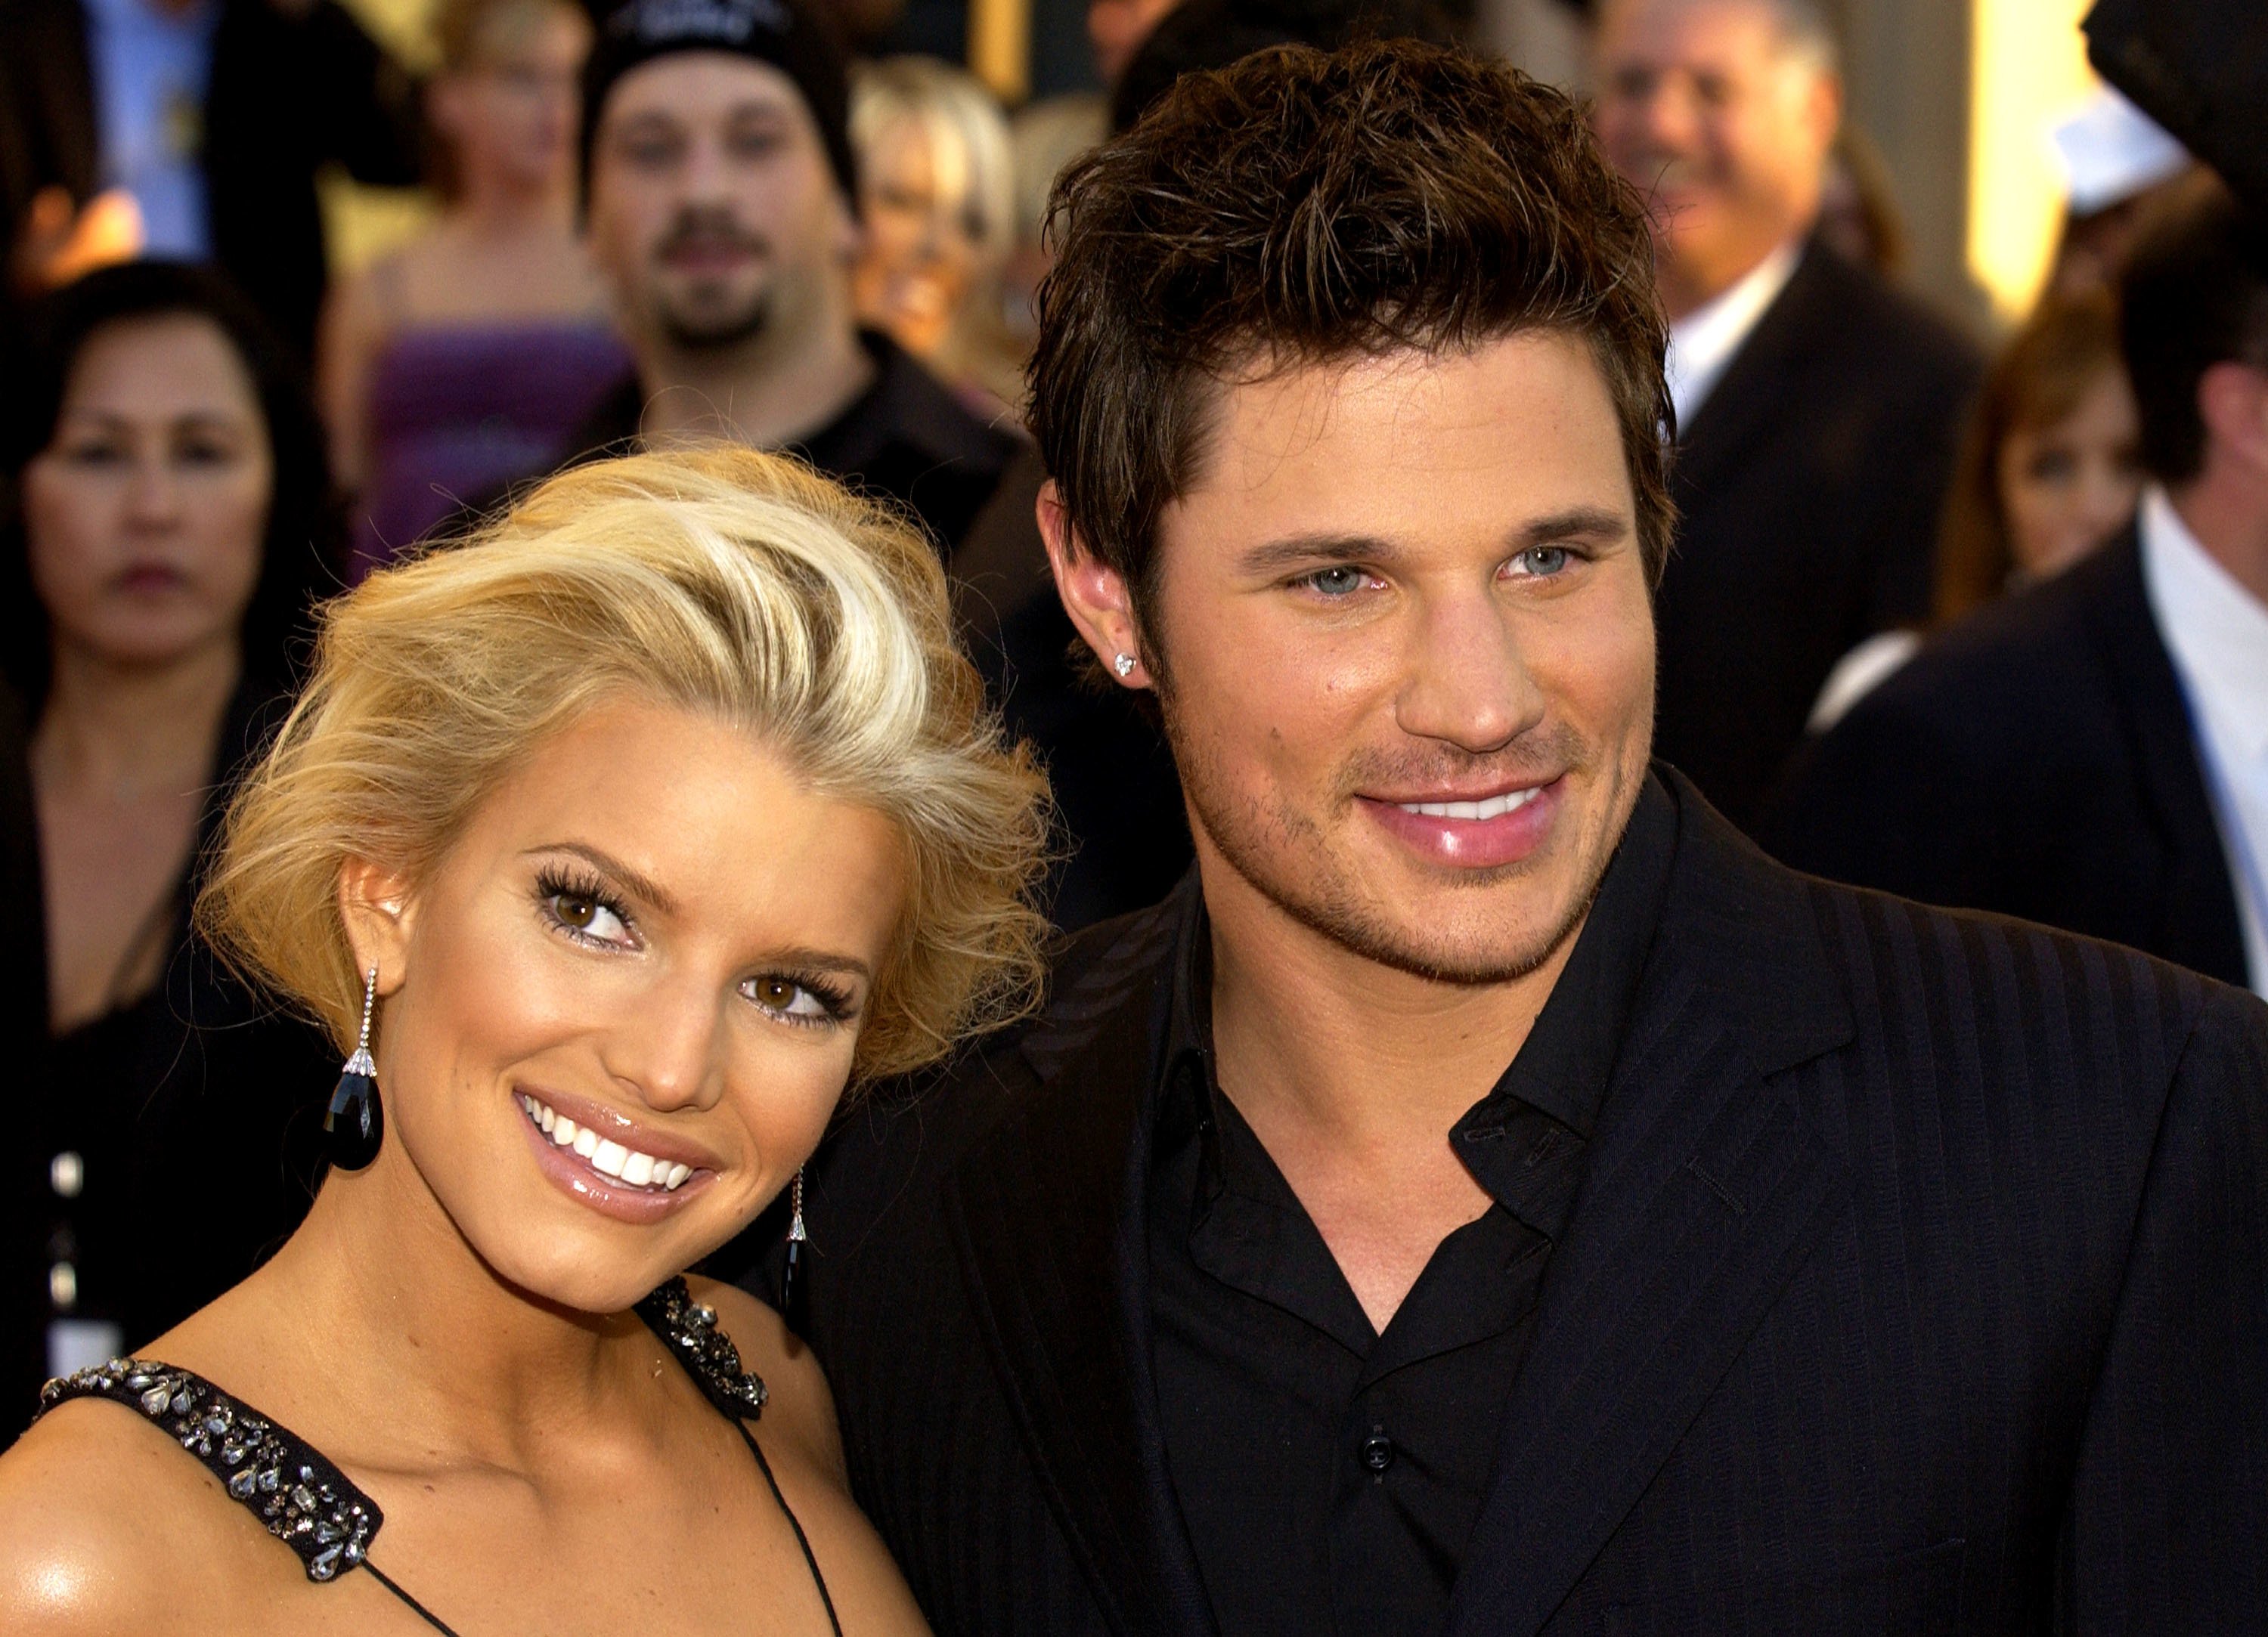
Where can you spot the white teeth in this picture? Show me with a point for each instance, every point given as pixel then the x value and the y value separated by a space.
pixel 634 1169
pixel 1495 807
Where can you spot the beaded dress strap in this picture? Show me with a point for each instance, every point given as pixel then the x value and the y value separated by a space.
pixel 299 1496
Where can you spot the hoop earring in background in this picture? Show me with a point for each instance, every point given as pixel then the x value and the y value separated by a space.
pixel 1123 665
pixel 792 1303
pixel 355 1124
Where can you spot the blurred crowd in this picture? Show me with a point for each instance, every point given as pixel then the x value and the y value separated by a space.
pixel 1982 624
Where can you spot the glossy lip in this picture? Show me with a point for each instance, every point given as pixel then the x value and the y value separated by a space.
pixel 577 1177
pixel 1470 843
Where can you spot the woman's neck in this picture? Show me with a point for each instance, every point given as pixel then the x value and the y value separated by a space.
pixel 128 730
pixel 405 1326
pixel 499 209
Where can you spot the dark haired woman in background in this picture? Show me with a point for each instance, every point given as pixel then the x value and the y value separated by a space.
pixel 170 521
pixel 2049 471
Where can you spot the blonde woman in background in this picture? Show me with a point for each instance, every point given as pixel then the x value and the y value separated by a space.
pixel 624 837
pixel 936 184
pixel 470 356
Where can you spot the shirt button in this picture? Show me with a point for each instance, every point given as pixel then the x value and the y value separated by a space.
pixel 1378 1450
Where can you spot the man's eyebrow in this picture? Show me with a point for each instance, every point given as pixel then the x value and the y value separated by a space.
pixel 637 885
pixel 1297 551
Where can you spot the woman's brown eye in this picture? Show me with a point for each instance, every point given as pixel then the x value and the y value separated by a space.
pixel 578 912
pixel 777 993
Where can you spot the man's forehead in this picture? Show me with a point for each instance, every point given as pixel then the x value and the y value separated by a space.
pixel 1692 32
pixel 702 84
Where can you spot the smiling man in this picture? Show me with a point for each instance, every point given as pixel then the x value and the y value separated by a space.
pixel 1488 1195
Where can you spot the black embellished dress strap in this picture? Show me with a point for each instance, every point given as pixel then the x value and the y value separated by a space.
pixel 298 1495
pixel 690 1328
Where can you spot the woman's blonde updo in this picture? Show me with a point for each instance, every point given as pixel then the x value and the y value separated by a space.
pixel 723 581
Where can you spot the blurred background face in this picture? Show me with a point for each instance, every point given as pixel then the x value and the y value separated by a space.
pixel 511 113
pixel 625 1003
pixel 1116 29
pixel 1406 650
pixel 922 248
pixel 712 209
pixel 145 514
pixel 2068 487
pixel 1705 106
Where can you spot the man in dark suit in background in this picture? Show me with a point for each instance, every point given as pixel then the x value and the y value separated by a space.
pixel 2094 753
pixel 1817 408
pixel 215 116
pixel 1488 1195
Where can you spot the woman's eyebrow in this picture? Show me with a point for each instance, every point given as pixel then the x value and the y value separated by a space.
pixel 638 884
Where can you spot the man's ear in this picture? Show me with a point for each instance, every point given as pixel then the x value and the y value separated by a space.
pixel 1093 593
pixel 2233 403
pixel 377 905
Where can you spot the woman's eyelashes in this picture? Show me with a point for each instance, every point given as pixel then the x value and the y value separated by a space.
pixel 580 908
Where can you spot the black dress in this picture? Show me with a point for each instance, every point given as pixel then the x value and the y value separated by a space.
pixel 306 1503
pixel 164 1147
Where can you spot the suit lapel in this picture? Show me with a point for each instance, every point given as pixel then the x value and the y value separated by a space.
pixel 2197 922
pixel 1047 1215
pixel 1705 1192
pixel 1752 393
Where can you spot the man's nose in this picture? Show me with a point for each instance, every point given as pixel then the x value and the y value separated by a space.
pixel 1468 683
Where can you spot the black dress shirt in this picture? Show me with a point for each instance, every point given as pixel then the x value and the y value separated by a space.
pixel 1329 1475
pixel 906 438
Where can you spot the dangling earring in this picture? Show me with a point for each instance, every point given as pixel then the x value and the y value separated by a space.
pixel 354 1123
pixel 792 1291
pixel 1123 665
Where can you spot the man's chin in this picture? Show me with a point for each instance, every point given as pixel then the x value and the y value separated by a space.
pixel 710 327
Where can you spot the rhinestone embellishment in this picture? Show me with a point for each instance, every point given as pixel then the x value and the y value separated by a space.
pixel 304 1501
pixel 690 1328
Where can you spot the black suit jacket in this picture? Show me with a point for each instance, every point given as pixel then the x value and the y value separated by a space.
pixel 1808 485
pixel 1915 1285
pixel 2035 760
pixel 289 94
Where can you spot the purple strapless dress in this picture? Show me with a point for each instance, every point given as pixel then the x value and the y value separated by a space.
pixel 458 412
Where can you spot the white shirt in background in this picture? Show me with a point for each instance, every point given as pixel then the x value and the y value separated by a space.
pixel 2217 633
pixel 1703 342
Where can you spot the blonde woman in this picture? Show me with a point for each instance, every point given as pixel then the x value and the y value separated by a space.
pixel 936 187
pixel 626 836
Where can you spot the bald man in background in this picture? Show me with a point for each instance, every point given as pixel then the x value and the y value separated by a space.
pixel 1818 409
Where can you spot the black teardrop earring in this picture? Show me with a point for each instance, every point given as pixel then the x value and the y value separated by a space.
pixel 794 1302
pixel 354 1123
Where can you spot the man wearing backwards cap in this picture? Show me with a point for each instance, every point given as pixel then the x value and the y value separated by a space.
pixel 719 191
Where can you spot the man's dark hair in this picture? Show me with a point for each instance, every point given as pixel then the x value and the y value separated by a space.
pixel 1200 35
pixel 2194 294
pixel 1298 207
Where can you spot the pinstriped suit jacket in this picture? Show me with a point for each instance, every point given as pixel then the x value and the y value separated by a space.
pixel 1918 1283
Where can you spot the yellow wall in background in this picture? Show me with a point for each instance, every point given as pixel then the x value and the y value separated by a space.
pixel 2028 68
pixel 364 222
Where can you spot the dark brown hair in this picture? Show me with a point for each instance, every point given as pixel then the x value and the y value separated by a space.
pixel 2194 294
pixel 1297 208
pixel 2038 380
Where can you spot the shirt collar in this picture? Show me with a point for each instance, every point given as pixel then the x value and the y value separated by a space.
pixel 1564 1066
pixel 2216 630
pixel 1703 342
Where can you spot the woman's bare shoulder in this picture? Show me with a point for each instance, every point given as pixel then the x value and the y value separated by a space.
pixel 800 1407
pixel 107 1526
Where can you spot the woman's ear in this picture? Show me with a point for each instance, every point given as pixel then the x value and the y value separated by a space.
pixel 376 905
pixel 1094 595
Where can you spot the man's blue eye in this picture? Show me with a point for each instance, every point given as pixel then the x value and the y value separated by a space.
pixel 1543 562
pixel 1337 582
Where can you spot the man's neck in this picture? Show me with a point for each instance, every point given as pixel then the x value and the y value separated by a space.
pixel 772 390
pixel 2227 510
pixel 1352 1074
pixel 1686 288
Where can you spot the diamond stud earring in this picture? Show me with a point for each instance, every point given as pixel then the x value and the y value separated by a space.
pixel 1123 665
